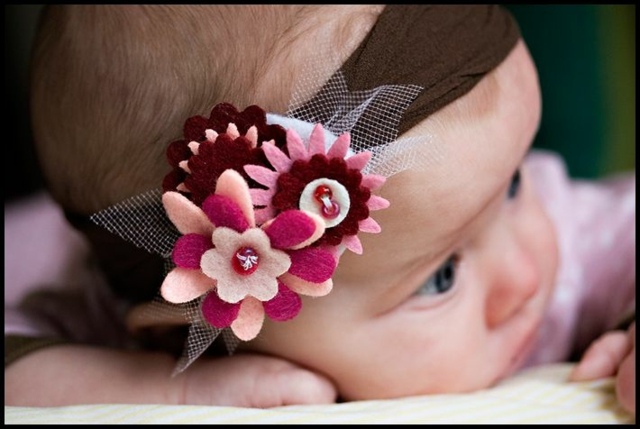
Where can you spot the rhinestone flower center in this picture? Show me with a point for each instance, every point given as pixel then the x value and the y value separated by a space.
pixel 245 261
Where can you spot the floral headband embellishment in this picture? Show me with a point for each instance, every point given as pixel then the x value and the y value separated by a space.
pixel 275 224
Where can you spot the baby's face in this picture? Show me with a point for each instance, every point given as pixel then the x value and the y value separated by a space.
pixel 448 297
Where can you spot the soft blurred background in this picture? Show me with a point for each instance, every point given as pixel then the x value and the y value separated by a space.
pixel 586 58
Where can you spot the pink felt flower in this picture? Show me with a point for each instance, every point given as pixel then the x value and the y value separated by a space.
pixel 239 270
pixel 319 181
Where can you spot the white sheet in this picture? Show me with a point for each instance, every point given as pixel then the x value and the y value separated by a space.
pixel 537 395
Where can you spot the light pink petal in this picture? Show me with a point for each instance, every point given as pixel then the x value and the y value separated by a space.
pixel 373 181
pixel 265 214
pixel 352 242
pixel 230 289
pixel 377 203
pixel 340 147
pixel 249 321
pixel 295 146
pixel 293 227
pixel 261 197
pixel 232 131
pixel 185 215
pixel 231 184
pixel 369 225
pixel 224 212
pixel 183 285
pixel 185 166
pixel 316 140
pixel 217 312
pixel 276 157
pixel 302 287
pixel 284 306
pixel 262 175
pixel 252 136
pixel 312 264
pixel 195 146
pixel 359 160
pixel 189 249
pixel 182 188
pixel 211 135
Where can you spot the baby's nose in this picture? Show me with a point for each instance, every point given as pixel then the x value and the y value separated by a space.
pixel 514 279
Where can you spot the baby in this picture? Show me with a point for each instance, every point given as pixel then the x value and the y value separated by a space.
pixel 371 226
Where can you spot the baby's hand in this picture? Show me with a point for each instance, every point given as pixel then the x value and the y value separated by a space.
pixel 613 354
pixel 252 380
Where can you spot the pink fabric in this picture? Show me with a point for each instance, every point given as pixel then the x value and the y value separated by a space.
pixel 43 253
pixel 595 286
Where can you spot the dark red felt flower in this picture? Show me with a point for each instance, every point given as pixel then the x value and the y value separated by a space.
pixel 227 139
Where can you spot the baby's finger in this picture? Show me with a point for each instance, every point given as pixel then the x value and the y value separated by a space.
pixel 626 382
pixel 300 386
pixel 603 357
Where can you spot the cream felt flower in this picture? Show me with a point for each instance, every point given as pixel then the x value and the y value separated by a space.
pixel 241 271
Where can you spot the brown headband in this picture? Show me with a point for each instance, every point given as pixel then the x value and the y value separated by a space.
pixel 445 50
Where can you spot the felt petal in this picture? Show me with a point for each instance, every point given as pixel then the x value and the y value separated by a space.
pixel 373 181
pixel 352 242
pixel 195 146
pixel 340 147
pixel 302 287
pixel 293 227
pixel 211 135
pixel 369 225
pixel 231 184
pixel 261 197
pixel 312 264
pixel 359 160
pixel 296 148
pixel 232 131
pixel 185 166
pixel 222 211
pixel 249 321
pixel 189 248
pixel 264 214
pixel 217 312
pixel 377 203
pixel 276 157
pixel 183 285
pixel 252 136
pixel 284 306
pixel 262 287
pixel 262 175
pixel 185 215
pixel 316 140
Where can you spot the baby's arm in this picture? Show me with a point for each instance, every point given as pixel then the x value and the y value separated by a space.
pixel 76 374
pixel 613 354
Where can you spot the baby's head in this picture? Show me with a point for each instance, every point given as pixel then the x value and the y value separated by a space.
pixel 446 298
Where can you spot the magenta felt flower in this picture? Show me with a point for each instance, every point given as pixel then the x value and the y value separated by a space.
pixel 328 183
pixel 241 271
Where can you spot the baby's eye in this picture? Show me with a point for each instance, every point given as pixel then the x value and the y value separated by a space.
pixel 442 280
pixel 514 186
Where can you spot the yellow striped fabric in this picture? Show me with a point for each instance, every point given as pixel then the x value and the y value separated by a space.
pixel 537 395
